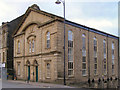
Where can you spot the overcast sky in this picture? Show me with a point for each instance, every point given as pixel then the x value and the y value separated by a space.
pixel 101 15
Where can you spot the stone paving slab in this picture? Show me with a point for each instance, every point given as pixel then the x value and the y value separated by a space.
pixel 43 85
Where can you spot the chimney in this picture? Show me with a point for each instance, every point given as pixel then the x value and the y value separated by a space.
pixel 35 6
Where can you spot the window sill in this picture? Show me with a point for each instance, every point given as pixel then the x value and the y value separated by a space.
pixel 48 78
pixel 18 52
pixel 33 52
pixel 71 76
pixel 48 48
pixel 105 74
pixel 84 75
pixel 95 74
pixel 113 74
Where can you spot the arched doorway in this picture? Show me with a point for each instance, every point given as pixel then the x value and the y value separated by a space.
pixel 28 70
pixel 36 70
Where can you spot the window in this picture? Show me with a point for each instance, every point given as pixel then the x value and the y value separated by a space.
pixel 3 38
pixel 70 53
pixel 18 50
pixel 95 55
pixel 48 39
pixel 29 46
pixel 3 57
pixel 0 57
pixel 18 68
pixel 95 65
pixel 0 44
pixel 48 70
pixel 32 45
pixel 104 60
pixel 83 55
pixel 113 63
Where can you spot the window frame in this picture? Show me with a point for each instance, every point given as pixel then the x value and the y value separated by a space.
pixel 95 55
pixel 18 47
pixel 48 70
pixel 33 45
pixel 48 39
pixel 30 46
pixel 18 69
pixel 70 54
pixel 113 58
pixel 0 58
pixel 105 58
pixel 84 62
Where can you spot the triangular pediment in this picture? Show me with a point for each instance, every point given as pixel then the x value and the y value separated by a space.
pixel 33 16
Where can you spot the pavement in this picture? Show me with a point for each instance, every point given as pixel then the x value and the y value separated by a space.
pixel 23 84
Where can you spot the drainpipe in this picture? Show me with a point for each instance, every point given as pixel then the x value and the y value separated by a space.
pixel 107 63
pixel 88 60
pixel 118 61
pixel 118 44
pixel 24 58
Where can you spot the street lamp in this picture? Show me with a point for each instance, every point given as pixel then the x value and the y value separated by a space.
pixel 58 2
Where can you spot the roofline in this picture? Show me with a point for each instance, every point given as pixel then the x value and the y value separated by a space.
pixel 84 27
pixel 90 29
pixel 66 21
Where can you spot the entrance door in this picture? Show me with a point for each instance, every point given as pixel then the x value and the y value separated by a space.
pixel 28 72
pixel 36 73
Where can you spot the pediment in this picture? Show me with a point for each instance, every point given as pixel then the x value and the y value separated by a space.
pixel 32 18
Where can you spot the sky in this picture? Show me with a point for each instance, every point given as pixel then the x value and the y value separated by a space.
pixel 98 14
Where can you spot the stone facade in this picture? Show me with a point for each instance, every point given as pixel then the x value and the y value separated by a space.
pixel 6 43
pixel 39 56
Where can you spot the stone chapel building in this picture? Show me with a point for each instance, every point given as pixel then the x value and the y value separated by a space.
pixel 91 55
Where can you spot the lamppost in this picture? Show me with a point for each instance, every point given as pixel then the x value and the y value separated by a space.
pixel 58 2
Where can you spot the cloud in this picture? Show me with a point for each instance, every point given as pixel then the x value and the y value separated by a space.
pixel 92 0
pixel 109 26
pixel 98 23
pixel 102 16
pixel 4 8
pixel 20 1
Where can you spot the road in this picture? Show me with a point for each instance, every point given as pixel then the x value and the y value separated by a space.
pixel 23 84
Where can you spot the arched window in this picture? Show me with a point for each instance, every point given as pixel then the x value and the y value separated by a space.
pixel 27 62
pixel 113 61
pixel 29 46
pixel 95 55
pixel 33 43
pixel 48 39
pixel 18 47
pixel 3 57
pixel 48 74
pixel 83 55
pixel 0 58
pixel 83 45
pixel 104 61
pixel 0 44
pixel 70 53
pixel 35 62
pixel 95 47
pixel 18 69
pixel 3 38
